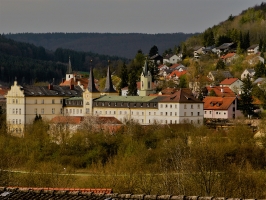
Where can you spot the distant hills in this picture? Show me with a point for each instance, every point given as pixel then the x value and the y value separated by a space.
pixel 113 44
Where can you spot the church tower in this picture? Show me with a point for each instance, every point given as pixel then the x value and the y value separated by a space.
pixel 89 94
pixel 145 81
pixel 109 89
pixel 69 73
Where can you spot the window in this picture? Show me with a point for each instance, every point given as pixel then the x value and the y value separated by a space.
pixel 198 106
pixel 185 114
pixel 165 113
pixel 161 105
pixel 114 112
pixel 198 113
pixel 106 112
pixel 142 113
pixel 205 112
pixel 161 113
pixel 70 111
pixel 35 110
pixel 16 111
pixel 198 121
pixel 73 111
pixel 216 113
pixel 16 101
pixel 16 121
pixel 175 113
pixel 77 111
pixel 125 112
pixel 13 110
pixel 52 101
pixel 170 113
pixel 80 111
pixel 43 101
pixel 149 113
pixel 42 111
pixel 191 113
pixel 19 121
pixel 154 113
pixel 185 106
pixel 175 106
pixel 35 101
pixel 137 113
pixel 165 105
pixel 191 106
pixel 13 100
pixel 120 112
pixel 224 113
pixel 210 112
pixel 66 111
pixel 53 110
pixel 87 110
pixel 13 121
pixel 20 111
pixel 171 106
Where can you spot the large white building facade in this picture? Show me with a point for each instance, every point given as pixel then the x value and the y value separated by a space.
pixel 27 102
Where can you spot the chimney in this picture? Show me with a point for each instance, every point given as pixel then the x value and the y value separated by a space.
pixel 50 86
pixel 71 86
pixel 63 80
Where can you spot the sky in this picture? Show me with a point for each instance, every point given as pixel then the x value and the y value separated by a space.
pixel 116 16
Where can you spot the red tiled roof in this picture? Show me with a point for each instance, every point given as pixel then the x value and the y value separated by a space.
pixel 175 65
pixel 3 91
pixel 184 95
pixel 67 119
pixel 227 92
pixel 228 81
pixel 218 103
pixel 83 81
pixel 229 55
pixel 176 73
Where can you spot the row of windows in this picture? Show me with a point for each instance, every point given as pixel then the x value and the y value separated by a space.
pixel 15 101
pixel 75 111
pixel 217 113
pixel 122 104
pixel 191 114
pixel 42 111
pixel 74 102
pixel 192 106
pixel 15 121
pixel 16 111
pixel 16 130
pixel 161 121
pixel 42 101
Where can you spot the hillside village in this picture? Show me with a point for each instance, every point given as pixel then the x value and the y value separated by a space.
pixel 185 122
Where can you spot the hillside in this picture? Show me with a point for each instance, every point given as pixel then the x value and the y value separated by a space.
pixel 251 21
pixel 31 64
pixel 114 44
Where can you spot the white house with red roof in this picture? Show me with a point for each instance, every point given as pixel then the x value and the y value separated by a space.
pixel 229 58
pixel 221 108
pixel 175 75
pixel 233 83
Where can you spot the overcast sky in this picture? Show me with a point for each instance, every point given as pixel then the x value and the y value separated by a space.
pixel 116 16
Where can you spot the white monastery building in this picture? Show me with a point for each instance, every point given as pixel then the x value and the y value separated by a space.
pixel 27 102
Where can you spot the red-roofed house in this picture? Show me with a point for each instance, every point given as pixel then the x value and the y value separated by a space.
pixel 221 108
pixel 233 83
pixel 228 58
pixel 175 75
pixel 220 91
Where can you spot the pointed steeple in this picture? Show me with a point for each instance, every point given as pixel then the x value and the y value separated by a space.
pixel 69 69
pixel 145 68
pixel 109 84
pixel 91 84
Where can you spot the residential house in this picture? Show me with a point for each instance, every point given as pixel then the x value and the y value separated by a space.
pixel 209 50
pixel 221 108
pixel 157 59
pixel 248 72
pixel 199 50
pixel 214 74
pixel 226 47
pixel 218 91
pixel 229 58
pixel 253 49
pixel 175 75
pixel 233 83
pixel 175 59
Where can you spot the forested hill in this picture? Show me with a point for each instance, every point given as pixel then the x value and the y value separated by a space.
pixel 30 63
pixel 250 23
pixel 114 44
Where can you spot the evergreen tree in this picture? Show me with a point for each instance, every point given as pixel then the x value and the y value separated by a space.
pixel 220 64
pixel 132 87
pixel 208 38
pixel 261 45
pixel 124 78
pixel 246 41
pixel 153 68
pixel 182 82
pixel 153 51
pixel 259 70
pixel 246 97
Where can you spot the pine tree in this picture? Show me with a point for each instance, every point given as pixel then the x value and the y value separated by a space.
pixel 124 78
pixel 153 51
pixel 246 97
pixel 132 87
pixel 220 64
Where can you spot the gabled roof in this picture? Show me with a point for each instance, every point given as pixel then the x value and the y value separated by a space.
pixel 225 45
pixel 184 95
pixel 218 103
pixel 253 46
pixel 226 74
pixel 176 73
pixel 56 90
pixel 229 55
pixel 228 81
pixel 221 91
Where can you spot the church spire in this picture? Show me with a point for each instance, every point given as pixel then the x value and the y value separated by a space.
pixel 91 84
pixel 109 84
pixel 145 68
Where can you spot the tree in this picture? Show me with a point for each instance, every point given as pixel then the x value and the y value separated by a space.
pixel 153 51
pixel 220 64
pixel 246 97
pixel 260 70
pixel 132 87
pixel 124 78
pixel 208 38
pixel 183 81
